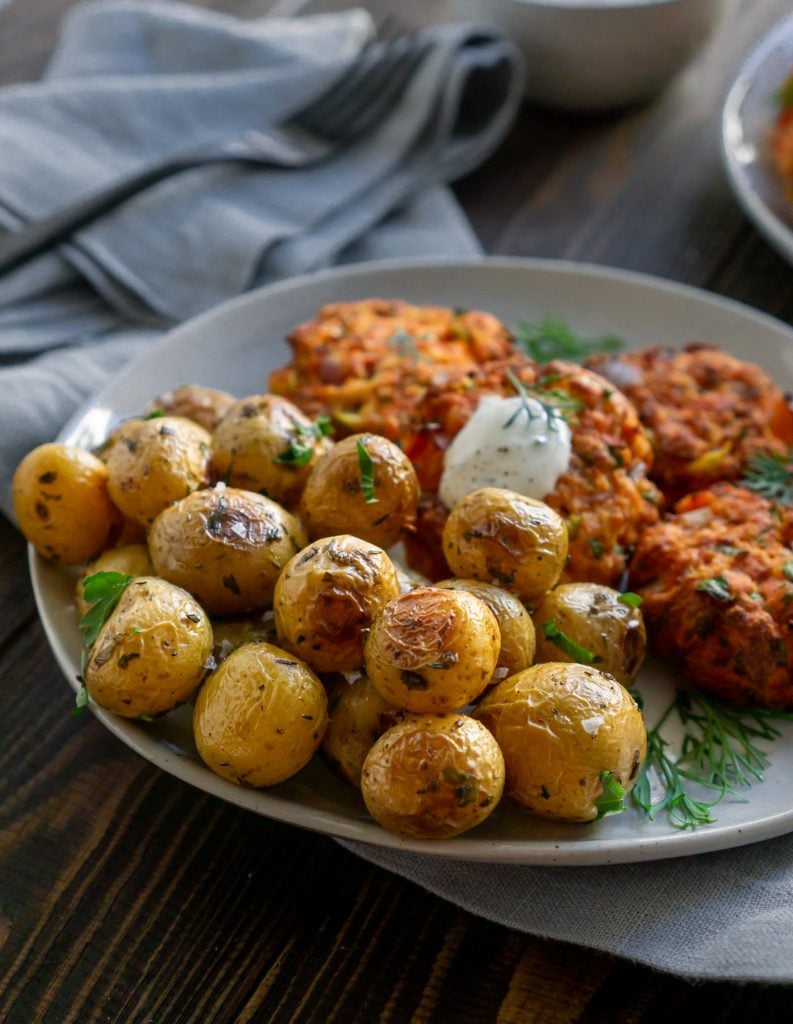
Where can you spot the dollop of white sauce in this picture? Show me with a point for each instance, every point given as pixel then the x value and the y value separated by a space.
pixel 508 442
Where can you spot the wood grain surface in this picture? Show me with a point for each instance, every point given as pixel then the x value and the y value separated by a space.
pixel 126 896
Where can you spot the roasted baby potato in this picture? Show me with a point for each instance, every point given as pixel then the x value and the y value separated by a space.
pixel 358 716
pixel 151 653
pixel 518 641
pixel 366 486
pixel 500 536
pixel 62 504
pixel 432 649
pixel 225 546
pixel 153 463
pixel 560 728
pixel 131 559
pixel 230 634
pixel 204 406
pixel 593 617
pixel 327 598
pixel 260 716
pixel 433 776
pixel 265 443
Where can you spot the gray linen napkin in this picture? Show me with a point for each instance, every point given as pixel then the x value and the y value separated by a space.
pixel 723 915
pixel 133 82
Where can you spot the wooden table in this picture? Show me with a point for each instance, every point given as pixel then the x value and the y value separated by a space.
pixel 127 896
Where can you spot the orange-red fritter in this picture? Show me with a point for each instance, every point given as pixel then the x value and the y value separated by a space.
pixel 717 583
pixel 706 413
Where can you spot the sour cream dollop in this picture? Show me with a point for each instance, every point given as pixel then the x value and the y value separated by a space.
pixel 508 442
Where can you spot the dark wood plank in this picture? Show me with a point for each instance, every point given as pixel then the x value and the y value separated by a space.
pixel 127 896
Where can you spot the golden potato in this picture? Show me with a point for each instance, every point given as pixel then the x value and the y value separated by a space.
pixel 560 726
pixel 230 634
pixel 593 617
pixel 225 546
pixel 151 653
pixel 204 406
pixel 433 776
pixel 327 598
pixel 152 463
pixel 62 504
pixel 432 649
pixel 265 443
pixel 518 640
pixel 132 560
pixel 364 485
pixel 358 715
pixel 500 536
pixel 260 716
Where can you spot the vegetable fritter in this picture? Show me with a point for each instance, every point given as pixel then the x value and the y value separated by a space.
pixel 717 583
pixel 706 412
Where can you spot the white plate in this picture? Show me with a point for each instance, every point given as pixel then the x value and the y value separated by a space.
pixel 235 347
pixel 748 116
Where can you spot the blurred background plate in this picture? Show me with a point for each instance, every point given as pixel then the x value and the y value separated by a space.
pixel 748 116
pixel 237 345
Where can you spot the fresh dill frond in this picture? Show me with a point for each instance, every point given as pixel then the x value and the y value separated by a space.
pixel 554 338
pixel 771 476
pixel 560 406
pixel 720 755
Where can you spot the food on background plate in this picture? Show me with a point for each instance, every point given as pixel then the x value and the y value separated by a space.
pixel 782 137
pixel 564 730
pixel 707 414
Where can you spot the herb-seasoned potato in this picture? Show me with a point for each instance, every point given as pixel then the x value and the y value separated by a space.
pixel 327 597
pixel 594 617
pixel 131 559
pixel 366 486
pixel 233 633
pixel 152 463
pixel 225 546
pixel 151 653
pixel 265 443
pixel 432 649
pixel 62 504
pixel 358 716
pixel 500 536
pixel 518 641
pixel 560 728
pixel 204 406
pixel 260 716
pixel 433 776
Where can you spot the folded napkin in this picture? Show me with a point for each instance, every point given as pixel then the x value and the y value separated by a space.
pixel 128 83
pixel 132 83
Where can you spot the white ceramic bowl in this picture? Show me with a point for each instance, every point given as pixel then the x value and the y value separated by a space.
pixel 599 54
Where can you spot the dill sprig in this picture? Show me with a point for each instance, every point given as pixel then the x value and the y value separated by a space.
pixel 554 338
pixel 771 476
pixel 720 755
pixel 553 412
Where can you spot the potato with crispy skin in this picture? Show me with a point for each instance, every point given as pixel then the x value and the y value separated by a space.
pixel 260 716
pixel 365 485
pixel 153 463
pixel 560 728
pixel 518 639
pixel 328 596
pixel 151 654
pixel 717 583
pixel 226 546
pixel 204 406
pixel 433 776
pixel 432 649
pixel 500 536
pixel 265 443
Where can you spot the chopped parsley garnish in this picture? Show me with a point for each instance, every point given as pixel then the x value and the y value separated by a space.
pixel 155 414
pixel 321 427
pixel 718 587
pixel 554 338
pixel 366 473
pixel 300 454
pixel 296 454
pixel 770 476
pixel 631 599
pixel 102 591
pixel 567 646
pixel 596 547
pixel 787 570
pixel 612 799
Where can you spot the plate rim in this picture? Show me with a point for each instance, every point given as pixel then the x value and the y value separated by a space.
pixel 468 847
